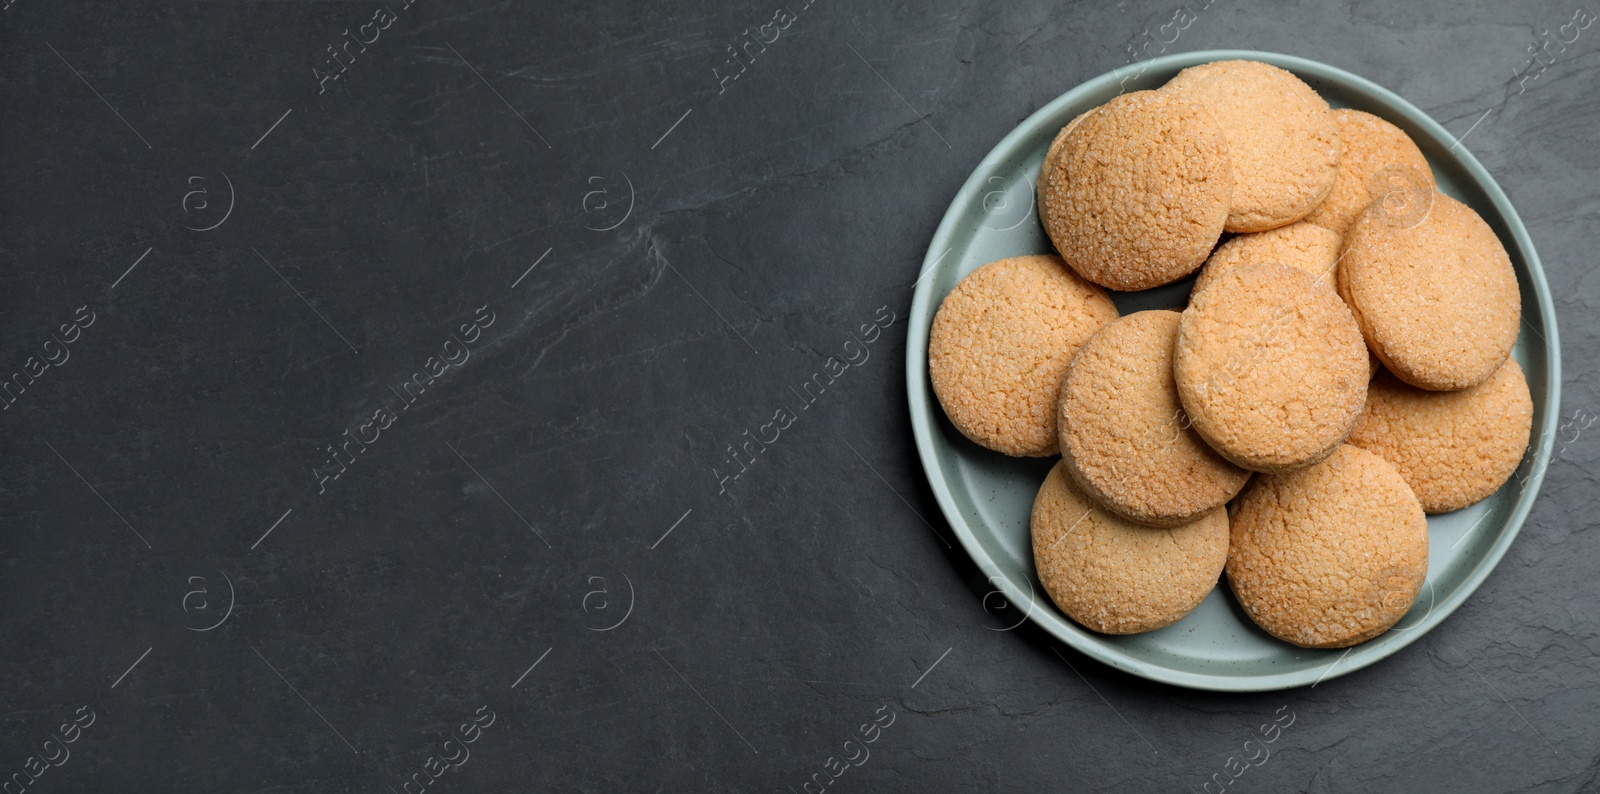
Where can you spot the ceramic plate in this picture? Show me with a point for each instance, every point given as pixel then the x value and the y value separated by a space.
pixel 987 497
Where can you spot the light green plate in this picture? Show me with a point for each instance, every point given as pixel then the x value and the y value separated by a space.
pixel 987 496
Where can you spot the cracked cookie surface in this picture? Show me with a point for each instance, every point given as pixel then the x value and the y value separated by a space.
pixel 1454 448
pixel 1115 576
pixel 1050 157
pixel 1281 135
pixel 1300 245
pixel 1379 160
pixel 1437 301
pixel 1328 556
pixel 1124 437
pixel 1000 343
pixel 1136 195
pixel 1270 367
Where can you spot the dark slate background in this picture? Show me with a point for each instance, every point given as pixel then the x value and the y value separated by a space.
pixel 504 545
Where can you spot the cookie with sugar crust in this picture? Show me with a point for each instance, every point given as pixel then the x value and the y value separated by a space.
pixel 1116 576
pixel 1283 138
pixel 999 344
pixel 1136 195
pixel 1328 556
pixel 1124 437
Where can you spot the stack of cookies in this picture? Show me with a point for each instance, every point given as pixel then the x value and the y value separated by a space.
pixel 1341 369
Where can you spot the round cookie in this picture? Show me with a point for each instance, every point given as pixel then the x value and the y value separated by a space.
pixel 1049 157
pixel 1117 577
pixel 1437 301
pixel 1124 437
pixel 1453 448
pixel 1329 556
pixel 1281 135
pixel 1137 193
pixel 1300 245
pixel 1270 367
pixel 1379 161
pixel 1001 341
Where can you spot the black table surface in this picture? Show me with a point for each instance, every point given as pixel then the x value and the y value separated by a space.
pixel 382 361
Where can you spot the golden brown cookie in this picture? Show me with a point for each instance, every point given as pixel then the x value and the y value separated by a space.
pixel 1379 160
pixel 1437 301
pixel 1137 193
pixel 1270 367
pixel 1281 135
pixel 1124 437
pixel 1329 556
pixel 1117 577
pixel 1454 448
pixel 1301 245
pixel 1049 157
pixel 1000 343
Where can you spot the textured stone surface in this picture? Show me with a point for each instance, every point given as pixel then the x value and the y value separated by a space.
pixel 789 606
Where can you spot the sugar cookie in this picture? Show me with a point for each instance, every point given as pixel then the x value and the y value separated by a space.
pixel 1000 343
pixel 1379 160
pixel 1329 556
pixel 1117 577
pixel 1124 437
pixel 1137 194
pixel 1454 448
pixel 1437 301
pixel 1300 245
pixel 1270 367
pixel 1049 157
pixel 1282 138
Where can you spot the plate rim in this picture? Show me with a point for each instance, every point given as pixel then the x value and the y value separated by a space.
pixel 923 407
